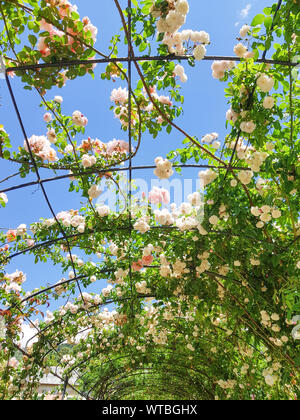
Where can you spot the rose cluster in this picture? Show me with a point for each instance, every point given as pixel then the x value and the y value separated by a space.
pixel 178 43
pixel 79 119
pixel 41 146
pixel 220 67
pixel 65 10
pixel 163 168
pixel 172 18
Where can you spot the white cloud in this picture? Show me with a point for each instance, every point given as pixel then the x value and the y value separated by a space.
pixel 27 335
pixel 245 12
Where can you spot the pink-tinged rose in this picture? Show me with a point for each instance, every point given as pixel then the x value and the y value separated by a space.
pixel 45 26
pixel 43 47
pixel 165 196
pixel 137 265
pixel 117 146
pixel 47 117
pixel 5 248
pixel 13 362
pixel 11 235
pixel 153 197
pixel 159 195
pixel 79 119
pixel 147 260
pixel 71 31
pixel 119 96
pixel 64 10
pixel 85 20
pixel 165 100
pixel 30 242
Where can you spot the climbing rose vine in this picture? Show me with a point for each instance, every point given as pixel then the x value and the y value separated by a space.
pixel 187 303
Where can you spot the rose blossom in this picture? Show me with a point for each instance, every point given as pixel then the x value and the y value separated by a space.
pixel 137 265
pixel 79 119
pixel 47 117
pixel 11 235
pixel 265 83
pixel 119 96
pixel 199 52
pixel 244 31
pixel 159 195
pixel 268 102
pixel 147 259
pixel 4 198
pixel 240 50
pixel 58 99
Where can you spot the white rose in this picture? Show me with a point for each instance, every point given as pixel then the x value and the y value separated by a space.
pixel 240 50
pixel 214 220
pixel 244 30
pixel 265 83
pixel 270 380
pixel 58 99
pixel 102 211
pixel 255 211
pixel 276 214
pixel 269 102
pixel 265 217
pixel 199 52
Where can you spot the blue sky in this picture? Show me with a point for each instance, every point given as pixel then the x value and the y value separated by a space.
pixel 204 112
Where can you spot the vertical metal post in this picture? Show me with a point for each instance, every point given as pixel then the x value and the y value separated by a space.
pixel 130 151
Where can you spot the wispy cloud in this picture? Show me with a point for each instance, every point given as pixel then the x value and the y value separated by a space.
pixel 245 12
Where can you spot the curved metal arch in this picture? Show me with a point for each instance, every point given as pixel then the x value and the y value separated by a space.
pixel 130 59
pixel 178 356
pixel 177 372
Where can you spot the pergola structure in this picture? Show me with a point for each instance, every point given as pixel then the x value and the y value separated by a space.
pixel 176 378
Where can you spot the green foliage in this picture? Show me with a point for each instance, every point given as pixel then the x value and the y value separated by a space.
pixel 202 310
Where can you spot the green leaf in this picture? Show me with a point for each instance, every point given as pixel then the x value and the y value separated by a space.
pixel 169 129
pixel 268 22
pixel 75 15
pixel 258 20
pixel 32 39
pixel 31 25
pixel 256 54
pixel 6 154
pixel 267 11
pixel 143 46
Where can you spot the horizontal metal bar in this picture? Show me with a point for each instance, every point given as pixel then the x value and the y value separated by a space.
pixel 134 168
pixel 170 57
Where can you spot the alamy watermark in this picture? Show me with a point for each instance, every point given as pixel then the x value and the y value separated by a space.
pixel 119 194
